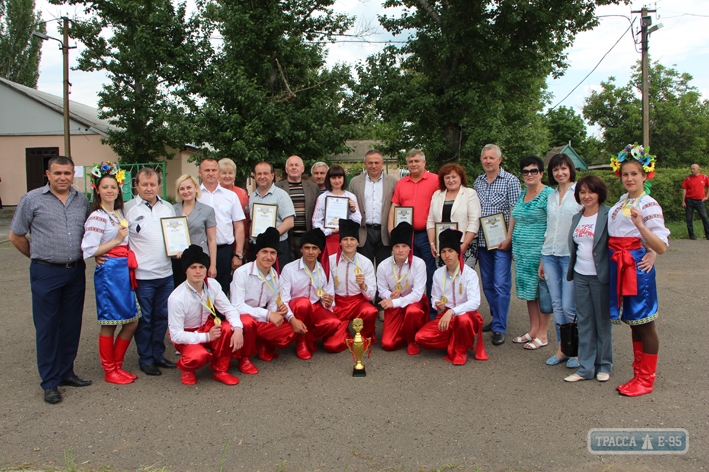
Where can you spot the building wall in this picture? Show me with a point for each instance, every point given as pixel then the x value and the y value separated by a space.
pixel 86 150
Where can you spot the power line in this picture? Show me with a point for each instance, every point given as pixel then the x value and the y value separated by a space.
pixel 595 67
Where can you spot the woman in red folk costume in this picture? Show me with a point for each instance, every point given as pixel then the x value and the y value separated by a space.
pixel 401 281
pixel 355 284
pixel 456 296
pixel 107 235
pixel 636 226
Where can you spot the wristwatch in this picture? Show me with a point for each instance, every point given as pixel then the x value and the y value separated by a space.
pixel 239 256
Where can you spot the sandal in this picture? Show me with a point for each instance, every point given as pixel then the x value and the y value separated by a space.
pixel 522 339
pixel 535 344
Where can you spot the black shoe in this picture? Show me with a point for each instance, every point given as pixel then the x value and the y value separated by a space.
pixel 693 238
pixel 150 369
pixel 487 327
pixel 74 381
pixel 498 338
pixel 165 364
pixel 52 395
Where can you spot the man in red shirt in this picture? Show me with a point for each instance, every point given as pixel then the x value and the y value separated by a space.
pixel 416 191
pixel 695 190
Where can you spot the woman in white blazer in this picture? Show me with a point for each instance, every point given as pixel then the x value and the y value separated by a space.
pixel 455 202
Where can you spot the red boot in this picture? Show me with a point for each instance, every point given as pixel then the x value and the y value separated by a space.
pixel 638 353
pixel 480 353
pixel 246 366
pixel 461 355
pixel 302 350
pixel 266 353
pixel 188 377
pixel 119 352
pixel 646 377
pixel 225 377
pixel 105 351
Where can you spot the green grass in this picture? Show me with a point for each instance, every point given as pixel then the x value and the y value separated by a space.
pixel 678 229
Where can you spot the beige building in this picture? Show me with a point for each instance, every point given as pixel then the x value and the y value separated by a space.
pixel 32 131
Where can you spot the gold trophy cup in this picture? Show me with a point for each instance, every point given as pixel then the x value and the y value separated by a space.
pixel 358 346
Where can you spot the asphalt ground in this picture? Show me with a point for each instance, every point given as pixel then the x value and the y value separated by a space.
pixel 409 413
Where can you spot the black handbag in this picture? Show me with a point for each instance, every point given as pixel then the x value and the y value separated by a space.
pixel 569 333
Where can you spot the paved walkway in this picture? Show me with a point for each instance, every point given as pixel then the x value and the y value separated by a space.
pixel 510 413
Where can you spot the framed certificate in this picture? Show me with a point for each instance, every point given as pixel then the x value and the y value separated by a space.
pixel 336 208
pixel 402 213
pixel 440 227
pixel 263 215
pixel 494 230
pixel 175 234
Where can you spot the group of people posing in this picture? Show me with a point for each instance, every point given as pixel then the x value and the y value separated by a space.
pixel 307 280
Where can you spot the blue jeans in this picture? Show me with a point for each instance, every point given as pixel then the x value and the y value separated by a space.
pixel 57 310
pixel 422 249
pixel 560 289
pixel 152 325
pixel 496 275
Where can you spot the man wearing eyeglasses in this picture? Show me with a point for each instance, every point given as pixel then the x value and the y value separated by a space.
pixel 498 192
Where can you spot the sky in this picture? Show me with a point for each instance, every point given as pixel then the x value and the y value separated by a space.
pixel 682 42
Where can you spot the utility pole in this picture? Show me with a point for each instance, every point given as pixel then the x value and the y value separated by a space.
pixel 65 53
pixel 646 21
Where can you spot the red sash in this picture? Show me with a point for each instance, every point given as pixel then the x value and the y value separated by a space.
pixel 123 251
pixel 627 268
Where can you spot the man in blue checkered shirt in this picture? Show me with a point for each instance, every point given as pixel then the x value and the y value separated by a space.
pixel 498 192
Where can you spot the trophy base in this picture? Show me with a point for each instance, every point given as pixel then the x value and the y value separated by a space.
pixel 359 373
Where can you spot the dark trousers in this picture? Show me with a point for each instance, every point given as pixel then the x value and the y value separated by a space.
pixel 57 309
pixel 374 249
pixel 689 214
pixel 152 325
pixel 422 249
pixel 294 245
pixel 225 253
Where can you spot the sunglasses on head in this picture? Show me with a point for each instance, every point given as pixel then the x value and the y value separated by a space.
pixel 530 171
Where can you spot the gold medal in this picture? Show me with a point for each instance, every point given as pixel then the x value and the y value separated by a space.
pixel 626 211
pixel 217 321
pixel 357 271
pixel 320 292
pixel 124 223
pixel 398 287
pixel 444 300
pixel 278 299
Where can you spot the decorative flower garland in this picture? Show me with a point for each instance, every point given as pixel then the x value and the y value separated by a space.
pixel 106 168
pixel 637 153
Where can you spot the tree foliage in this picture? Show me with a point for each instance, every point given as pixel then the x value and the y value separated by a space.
pixel 19 52
pixel 267 93
pixel 147 48
pixel 470 72
pixel 679 118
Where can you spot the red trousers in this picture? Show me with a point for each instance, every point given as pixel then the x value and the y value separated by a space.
pixel 195 356
pixel 320 321
pixel 460 335
pixel 267 333
pixel 402 324
pixel 347 309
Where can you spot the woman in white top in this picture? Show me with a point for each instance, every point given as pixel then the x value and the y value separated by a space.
pixel 455 202
pixel 561 208
pixel 107 235
pixel 335 183
pixel 636 226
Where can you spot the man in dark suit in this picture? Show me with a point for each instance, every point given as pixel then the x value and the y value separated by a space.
pixel 374 190
pixel 303 194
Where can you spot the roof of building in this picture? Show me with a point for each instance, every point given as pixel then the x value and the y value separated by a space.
pixel 568 151
pixel 84 114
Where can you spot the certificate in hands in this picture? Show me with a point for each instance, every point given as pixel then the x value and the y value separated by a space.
pixel 263 215
pixel 176 234
pixel 494 230
pixel 336 208
pixel 403 213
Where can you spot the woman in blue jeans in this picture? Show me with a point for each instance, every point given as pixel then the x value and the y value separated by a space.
pixel 561 207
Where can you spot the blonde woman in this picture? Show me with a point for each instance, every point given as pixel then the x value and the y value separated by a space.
pixel 201 222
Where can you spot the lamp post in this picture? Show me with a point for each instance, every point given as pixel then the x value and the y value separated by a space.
pixel 65 52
